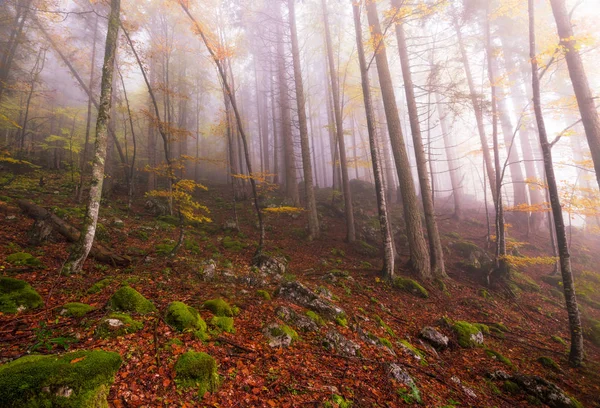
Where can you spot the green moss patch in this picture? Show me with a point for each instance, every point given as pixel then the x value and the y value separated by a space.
pixel 223 323
pixel 78 379
pixel 117 324
pixel 98 286
pixel 497 356
pixel 76 309
pixel 524 282
pixel 280 330
pixel 17 295
pixel 127 299
pixel 592 332
pixel 219 307
pixel 411 286
pixel 315 317
pixel 181 317
pixel 23 259
pixel 263 294
pixel 198 370
pixel 559 340
pixel 470 334
pixel 548 363
pixel 232 245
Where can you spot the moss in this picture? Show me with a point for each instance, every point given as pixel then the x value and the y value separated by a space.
pixel 198 370
pixel 412 348
pixel 411 286
pixel 341 320
pixel 548 363
pixel 23 259
pixel 498 328
pixel 127 299
pixel 465 248
pixel 511 387
pixel 497 356
pixel 553 280
pixel 98 286
pixel 263 294
pixel 485 294
pixel 219 307
pixel 282 329
pixel 466 331
pixel 593 332
pixel 315 317
pixel 364 248
pixel 231 244
pixel 385 342
pixel 223 323
pixel 559 340
pixel 88 374
pixel 16 294
pixel 387 328
pixel 181 317
pixel 524 282
pixel 76 309
pixel 108 327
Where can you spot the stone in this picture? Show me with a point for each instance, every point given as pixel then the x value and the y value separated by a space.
pixel 434 337
pixel 209 270
pixel 334 340
pixel 303 296
pixel 270 265
pixel 300 321
pixel 280 336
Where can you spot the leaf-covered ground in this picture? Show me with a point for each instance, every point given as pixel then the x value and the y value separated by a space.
pixel 305 374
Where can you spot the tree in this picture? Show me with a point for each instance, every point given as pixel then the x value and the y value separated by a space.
pixel 435 244
pixel 386 232
pixel 419 255
pixel 581 86
pixel 576 352
pixel 82 247
pixel 313 220
pixel 339 127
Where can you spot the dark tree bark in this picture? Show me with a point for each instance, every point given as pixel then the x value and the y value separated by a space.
pixel 576 354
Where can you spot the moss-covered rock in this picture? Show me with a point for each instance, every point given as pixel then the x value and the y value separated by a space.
pixel 127 299
pixel 117 324
pixel 223 323
pixel 181 317
pixel 315 318
pixel 470 334
pixel 263 294
pixel 76 309
pixel 23 259
pixel 78 379
pixel 280 335
pixel 411 286
pixel 548 363
pixel 17 295
pixel 197 370
pixel 497 356
pixel 219 307
pixel 232 244
pixel 98 286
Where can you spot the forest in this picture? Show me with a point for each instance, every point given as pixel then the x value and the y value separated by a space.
pixel 315 203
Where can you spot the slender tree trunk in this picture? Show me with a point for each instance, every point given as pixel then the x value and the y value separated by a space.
pixel 131 177
pixel 339 126
pixel 476 101
pixel 313 220
pixel 581 86
pixel 82 248
pixel 386 233
pixel 35 73
pixel 576 354
pixel 435 244
pixel 419 255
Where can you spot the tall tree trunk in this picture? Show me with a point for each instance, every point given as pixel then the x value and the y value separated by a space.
pixel 419 255
pixel 81 249
pixel 339 127
pixel 435 244
pixel 386 233
pixel 313 220
pixel 576 353
pixel 476 101
pixel 581 86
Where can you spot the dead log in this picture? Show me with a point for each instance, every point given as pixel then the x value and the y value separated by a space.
pixel 45 218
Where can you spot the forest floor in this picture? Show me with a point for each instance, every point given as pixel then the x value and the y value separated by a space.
pixel 305 374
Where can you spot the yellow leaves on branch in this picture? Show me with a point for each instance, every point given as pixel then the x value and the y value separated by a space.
pixel 181 195
pixel 518 262
pixel 542 207
pixel 283 210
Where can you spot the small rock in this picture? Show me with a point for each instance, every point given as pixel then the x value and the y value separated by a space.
pixel 230 225
pixel 270 265
pixel 277 337
pixel 209 270
pixel 149 259
pixel 114 323
pixel 303 296
pixel 11 217
pixel 477 338
pixel 398 373
pixel 117 222
pixel 64 392
pixel 336 341
pixel 302 322
pixel 434 337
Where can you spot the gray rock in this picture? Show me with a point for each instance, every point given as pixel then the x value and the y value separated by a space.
pixel 434 337
pixel 303 296
pixel 477 338
pixel 336 341
pixel 230 225
pixel 547 392
pixel 117 222
pixel 277 338
pixel 300 321
pixel 209 270
pixel 270 265
pixel 157 206
pixel 398 373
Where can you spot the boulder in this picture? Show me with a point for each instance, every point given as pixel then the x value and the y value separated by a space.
pixel 270 265
pixel 434 337
pixel 77 379
pixel 335 341
pixel 197 370
pixel 127 299
pixel 303 296
pixel 17 295
pixel 209 270
pixel 280 335
pixel 157 206
pixel 300 321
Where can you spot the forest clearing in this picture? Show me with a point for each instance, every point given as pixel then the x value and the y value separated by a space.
pixel 299 204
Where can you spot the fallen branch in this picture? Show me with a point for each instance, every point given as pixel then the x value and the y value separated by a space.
pixel 44 218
